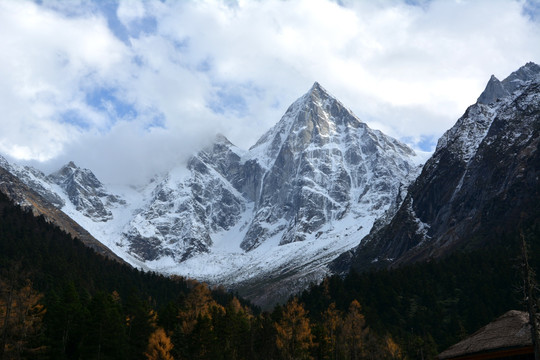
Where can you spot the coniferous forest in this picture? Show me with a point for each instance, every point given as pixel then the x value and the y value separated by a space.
pixel 60 300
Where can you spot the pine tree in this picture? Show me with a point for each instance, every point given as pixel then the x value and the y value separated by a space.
pixel 159 346
pixel 294 338
pixel 105 333
pixel 140 323
pixel 233 328
pixel 202 339
pixel 65 319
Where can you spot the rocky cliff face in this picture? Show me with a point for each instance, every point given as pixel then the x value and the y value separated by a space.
pixel 319 164
pixel 188 205
pixel 482 179
pixel 85 191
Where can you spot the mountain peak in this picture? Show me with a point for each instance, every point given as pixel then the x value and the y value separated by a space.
pixel 317 92
pixel 316 87
pixel 222 139
pixel 522 76
pixel 494 90
pixel 529 68
pixel 4 163
pixel 69 172
pixel 486 158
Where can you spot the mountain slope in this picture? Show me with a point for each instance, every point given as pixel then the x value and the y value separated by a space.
pixel 24 196
pixel 187 206
pixel 481 181
pixel 270 219
pixel 321 164
pixel 264 220
pixel 85 191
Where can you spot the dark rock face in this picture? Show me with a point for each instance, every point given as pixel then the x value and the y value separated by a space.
pixel 85 191
pixel 482 179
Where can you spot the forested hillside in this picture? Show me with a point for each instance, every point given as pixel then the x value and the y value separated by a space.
pixel 60 300
pixel 429 306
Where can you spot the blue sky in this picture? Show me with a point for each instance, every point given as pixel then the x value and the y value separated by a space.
pixel 127 88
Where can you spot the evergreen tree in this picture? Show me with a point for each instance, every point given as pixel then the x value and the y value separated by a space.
pixel 65 318
pixel 263 338
pixel 140 322
pixel 105 333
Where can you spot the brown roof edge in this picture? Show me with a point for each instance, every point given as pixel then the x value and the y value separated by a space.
pixel 510 331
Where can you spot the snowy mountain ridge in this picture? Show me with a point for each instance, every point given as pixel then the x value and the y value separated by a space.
pixel 311 188
pixel 481 180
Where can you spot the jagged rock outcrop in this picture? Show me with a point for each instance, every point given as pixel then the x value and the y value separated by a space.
pixel 318 165
pixel 21 194
pixel 85 191
pixel 187 206
pixel 482 180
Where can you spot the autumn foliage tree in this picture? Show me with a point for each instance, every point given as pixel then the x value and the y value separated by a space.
pixel 197 304
pixel 294 338
pixel 194 336
pixel 21 314
pixel 332 323
pixel 354 333
pixel 159 346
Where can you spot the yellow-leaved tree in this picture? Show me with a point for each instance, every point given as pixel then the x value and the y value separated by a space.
pixel 331 329
pixel 294 338
pixel 354 333
pixel 198 303
pixel 21 315
pixel 159 346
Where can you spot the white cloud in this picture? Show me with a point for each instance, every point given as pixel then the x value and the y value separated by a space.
pixel 47 60
pixel 191 69
pixel 435 58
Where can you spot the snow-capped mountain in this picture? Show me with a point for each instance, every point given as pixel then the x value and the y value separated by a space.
pixel 85 191
pixel 482 180
pixel 265 220
pixel 319 165
pixel 44 202
pixel 187 206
